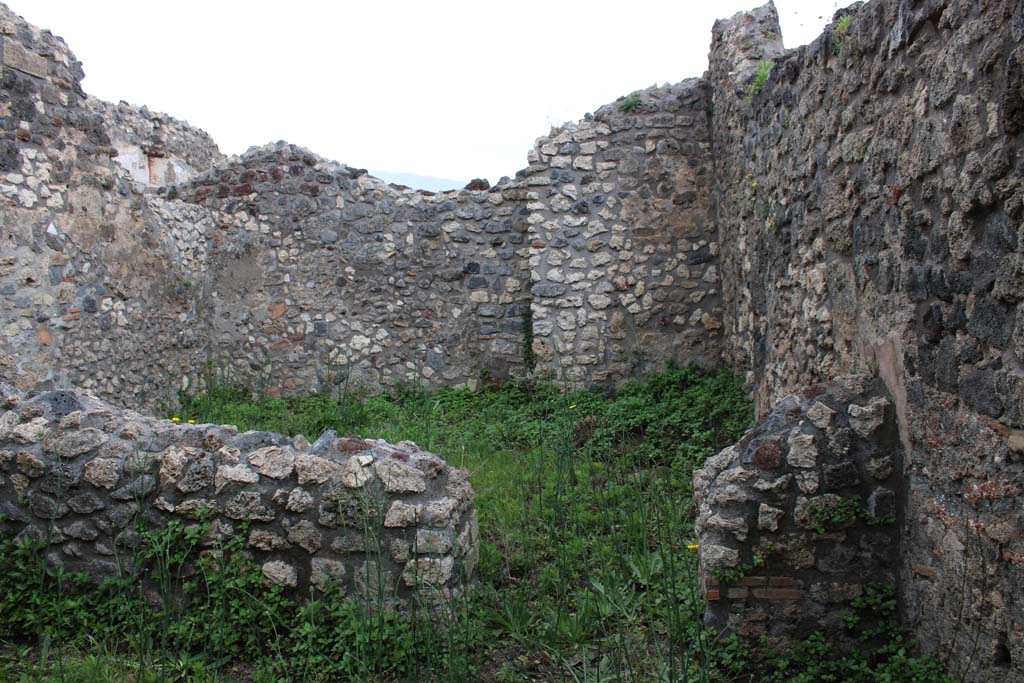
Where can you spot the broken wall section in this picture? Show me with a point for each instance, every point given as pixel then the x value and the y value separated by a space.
pixel 155 149
pixel 802 515
pixel 90 297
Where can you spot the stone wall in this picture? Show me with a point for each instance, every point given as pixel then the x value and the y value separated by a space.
pixel 317 274
pixel 595 264
pixel 85 478
pixel 623 252
pixel 869 201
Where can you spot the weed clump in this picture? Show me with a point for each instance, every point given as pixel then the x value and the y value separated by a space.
pixel 630 103
pixel 764 71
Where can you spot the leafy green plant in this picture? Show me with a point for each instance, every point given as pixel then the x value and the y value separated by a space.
pixel 842 28
pixel 764 71
pixel 885 657
pixel 734 574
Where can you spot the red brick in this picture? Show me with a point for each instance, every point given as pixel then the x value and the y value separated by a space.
pixel 737 593
pixel 710 580
pixel 778 594
pixel 785 582
pixel 752 581
pixel 713 595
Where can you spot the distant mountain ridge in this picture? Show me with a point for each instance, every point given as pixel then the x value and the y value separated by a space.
pixel 419 182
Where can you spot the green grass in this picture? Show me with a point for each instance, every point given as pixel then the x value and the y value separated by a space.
pixel 764 72
pixel 585 516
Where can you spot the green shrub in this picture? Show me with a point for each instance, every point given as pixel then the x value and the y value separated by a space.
pixel 630 103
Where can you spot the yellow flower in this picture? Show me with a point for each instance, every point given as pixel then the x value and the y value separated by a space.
pixel 753 184
pixel 693 546
pixel 175 419
pixel 191 422
pixel 572 407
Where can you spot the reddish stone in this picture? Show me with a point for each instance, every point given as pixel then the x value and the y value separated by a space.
pixel 768 456
pixel 352 444
pixel 277 311
pixel 814 391
pixel 44 337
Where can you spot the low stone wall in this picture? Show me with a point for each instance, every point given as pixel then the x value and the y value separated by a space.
pixel 86 478
pixel 802 515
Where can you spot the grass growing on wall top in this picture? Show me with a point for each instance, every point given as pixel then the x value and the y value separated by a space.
pixel 585 572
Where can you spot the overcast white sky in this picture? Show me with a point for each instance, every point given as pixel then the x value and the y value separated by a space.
pixel 452 88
